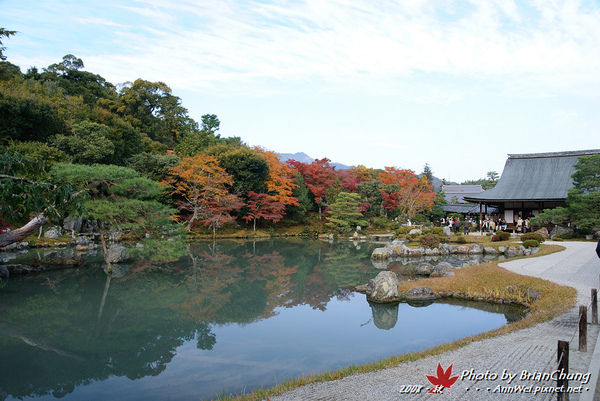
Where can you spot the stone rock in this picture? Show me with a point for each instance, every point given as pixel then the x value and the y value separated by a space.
pixel 89 226
pixel 385 288
pixel 385 317
pixel 382 253
pixel 52 232
pixel 452 249
pixel 476 249
pixel 557 231
pixel 419 294
pixel 544 232
pixel 442 267
pixel 513 253
pixel 532 294
pixel 415 231
pixel 424 269
pixel 490 250
pixel 463 250
pixel 398 242
pixel 117 254
pixel 4 272
pixel 72 224
pixel 447 231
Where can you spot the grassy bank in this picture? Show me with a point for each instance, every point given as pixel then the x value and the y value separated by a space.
pixel 481 281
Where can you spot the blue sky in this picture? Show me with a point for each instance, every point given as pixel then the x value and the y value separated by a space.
pixel 455 84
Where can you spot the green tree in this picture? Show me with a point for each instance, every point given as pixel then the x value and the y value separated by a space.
pixel 118 198
pixel 344 213
pixel 210 123
pixel 4 33
pixel 428 173
pixel 88 144
pixel 151 108
pixel 583 200
pixel 247 167
pixel 28 195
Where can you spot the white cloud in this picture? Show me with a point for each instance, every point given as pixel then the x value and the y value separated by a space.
pixel 240 46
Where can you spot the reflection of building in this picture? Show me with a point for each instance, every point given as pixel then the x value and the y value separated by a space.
pixel 456 193
pixel 531 183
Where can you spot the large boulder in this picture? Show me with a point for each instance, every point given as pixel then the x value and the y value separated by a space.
pixel 117 254
pixel 544 232
pixel 384 288
pixel 447 231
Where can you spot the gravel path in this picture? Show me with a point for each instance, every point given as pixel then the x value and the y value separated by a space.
pixel 531 350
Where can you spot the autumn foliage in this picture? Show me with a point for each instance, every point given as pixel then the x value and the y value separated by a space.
pixel 202 187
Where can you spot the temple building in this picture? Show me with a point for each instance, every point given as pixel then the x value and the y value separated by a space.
pixel 530 183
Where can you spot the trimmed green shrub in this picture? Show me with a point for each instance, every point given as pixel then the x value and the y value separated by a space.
pixel 504 236
pixel 437 230
pixel 429 241
pixel 531 243
pixel 403 230
pixel 461 240
pixel 496 238
pixel 535 236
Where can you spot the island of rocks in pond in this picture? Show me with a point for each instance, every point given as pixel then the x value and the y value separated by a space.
pixel 384 289
pixel 398 248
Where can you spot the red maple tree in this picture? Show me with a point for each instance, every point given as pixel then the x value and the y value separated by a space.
pixel 318 176
pixel 263 206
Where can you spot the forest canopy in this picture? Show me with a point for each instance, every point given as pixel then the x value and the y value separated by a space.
pixel 59 117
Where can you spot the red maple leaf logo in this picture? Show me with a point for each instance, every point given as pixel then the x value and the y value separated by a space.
pixel 443 379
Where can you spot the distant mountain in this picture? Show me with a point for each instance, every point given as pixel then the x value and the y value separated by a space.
pixel 304 158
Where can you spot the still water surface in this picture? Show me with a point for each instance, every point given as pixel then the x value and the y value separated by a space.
pixel 227 318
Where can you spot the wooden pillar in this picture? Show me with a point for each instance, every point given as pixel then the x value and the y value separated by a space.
pixel 480 220
pixel 594 306
pixel 582 328
pixel 562 357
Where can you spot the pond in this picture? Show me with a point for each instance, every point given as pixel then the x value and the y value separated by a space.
pixel 230 317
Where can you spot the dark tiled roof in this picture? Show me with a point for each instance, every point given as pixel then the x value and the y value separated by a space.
pixel 534 176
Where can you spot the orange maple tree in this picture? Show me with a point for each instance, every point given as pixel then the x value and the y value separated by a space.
pixel 280 181
pixel 202 186
pixel 404 191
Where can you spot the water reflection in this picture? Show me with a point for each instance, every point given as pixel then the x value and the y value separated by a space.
pixel 227 315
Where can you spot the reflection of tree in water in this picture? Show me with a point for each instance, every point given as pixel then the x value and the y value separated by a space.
pixel 154 309
pixel 136 335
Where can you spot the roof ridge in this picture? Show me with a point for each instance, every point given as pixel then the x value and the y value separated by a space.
pixel 554 154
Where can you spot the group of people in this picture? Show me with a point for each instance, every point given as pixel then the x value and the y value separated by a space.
pixel 456 224
pixel 493 224
pixel 523 226
pixel 490 223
